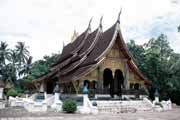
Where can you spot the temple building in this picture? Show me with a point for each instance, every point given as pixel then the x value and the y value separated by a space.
pixel 98 60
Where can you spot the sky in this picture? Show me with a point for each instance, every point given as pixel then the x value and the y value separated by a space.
pixel 44 24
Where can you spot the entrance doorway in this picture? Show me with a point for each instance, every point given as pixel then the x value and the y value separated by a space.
pixel 108 81
pixel 86 83
pixel 118 82
pixel 50 87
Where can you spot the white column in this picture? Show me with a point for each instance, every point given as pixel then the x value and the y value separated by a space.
pixel 1 93
pixel 45 95
pixel 56 97
pixel 156 99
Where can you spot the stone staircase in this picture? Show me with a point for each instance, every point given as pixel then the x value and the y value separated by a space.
pixel 113 108
pixel 33 96
pixel 130 106
pixel 49 100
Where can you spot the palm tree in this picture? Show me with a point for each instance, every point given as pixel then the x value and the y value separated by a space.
pixel 4 53
pixel 11 73
pixel 22 54
pixel 27 67
pixel 13 57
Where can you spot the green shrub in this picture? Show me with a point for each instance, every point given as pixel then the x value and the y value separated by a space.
pixel 69 106
pixel 12 92
pixel 19 90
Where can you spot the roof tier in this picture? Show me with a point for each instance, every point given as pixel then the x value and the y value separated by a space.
pixel 88 50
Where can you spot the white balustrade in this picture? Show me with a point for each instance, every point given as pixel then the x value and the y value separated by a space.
pixel 87 107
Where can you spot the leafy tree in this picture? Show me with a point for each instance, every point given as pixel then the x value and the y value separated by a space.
pixel 42 67
pixel 160 64
pixel 39 68
pixel 17 69
pixel 137 52
pixel 157 54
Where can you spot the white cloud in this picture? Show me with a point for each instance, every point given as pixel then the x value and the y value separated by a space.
pixel 45 24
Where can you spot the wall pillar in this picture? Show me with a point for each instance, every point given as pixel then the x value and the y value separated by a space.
pixel 99 79
pixel 126 76
pixel 42 87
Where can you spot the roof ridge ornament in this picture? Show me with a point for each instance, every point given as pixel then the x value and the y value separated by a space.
pixel 63 44
pixel 100 23
pixel 118 20
pixel 89 26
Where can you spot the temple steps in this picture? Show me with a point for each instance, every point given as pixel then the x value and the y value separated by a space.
pixel 123 106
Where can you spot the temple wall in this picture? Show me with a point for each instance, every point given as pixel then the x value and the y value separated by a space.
pixel 113 60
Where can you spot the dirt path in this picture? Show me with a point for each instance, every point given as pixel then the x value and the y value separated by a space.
pixel 168 115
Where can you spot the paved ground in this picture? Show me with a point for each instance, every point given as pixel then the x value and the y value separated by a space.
pixel 169 115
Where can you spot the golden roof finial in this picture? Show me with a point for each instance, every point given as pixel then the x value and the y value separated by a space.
pixel 118 20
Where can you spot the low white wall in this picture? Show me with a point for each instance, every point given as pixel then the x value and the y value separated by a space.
pixel 2 104
pixel 16 101
pixel 35 106
pixel 28 104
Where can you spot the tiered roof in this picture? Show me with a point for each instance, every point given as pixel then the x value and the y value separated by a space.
pixel 87 51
